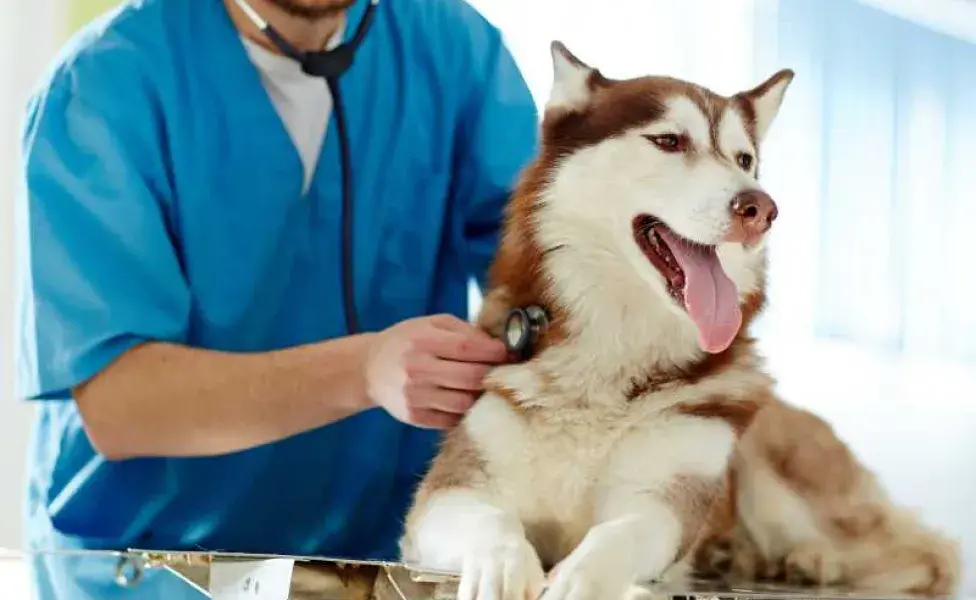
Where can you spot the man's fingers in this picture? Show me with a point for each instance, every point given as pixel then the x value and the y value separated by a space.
pixel 428 370
pixel 464 347
pixel 428 397
pixel 450 401
pixel 454 324
pixel 435 419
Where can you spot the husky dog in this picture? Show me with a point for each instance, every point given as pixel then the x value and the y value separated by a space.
pixel 642 438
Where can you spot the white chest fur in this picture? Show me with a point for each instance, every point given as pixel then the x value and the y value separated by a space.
pixel 556 471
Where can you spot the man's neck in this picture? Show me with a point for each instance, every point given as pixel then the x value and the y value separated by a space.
pixel 304 34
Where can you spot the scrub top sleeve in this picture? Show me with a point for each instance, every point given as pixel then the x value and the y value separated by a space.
pixel 499 133
pixel 98 269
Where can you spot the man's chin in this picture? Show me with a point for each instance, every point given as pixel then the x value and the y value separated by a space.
pixel 312 10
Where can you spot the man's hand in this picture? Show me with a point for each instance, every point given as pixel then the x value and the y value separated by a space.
pixel 429 371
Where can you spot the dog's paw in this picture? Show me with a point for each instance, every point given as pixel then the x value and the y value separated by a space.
pixel 507 569
pixel 590 574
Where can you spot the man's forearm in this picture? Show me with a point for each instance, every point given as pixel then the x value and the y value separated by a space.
pixel 168 400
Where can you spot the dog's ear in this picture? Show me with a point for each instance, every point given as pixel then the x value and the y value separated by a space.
pixel 573 81
pixel 766 99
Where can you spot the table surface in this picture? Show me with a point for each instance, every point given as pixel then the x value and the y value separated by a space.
pixel 313 578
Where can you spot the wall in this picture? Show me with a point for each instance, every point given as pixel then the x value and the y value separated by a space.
pixel 81 11
pixel 29 33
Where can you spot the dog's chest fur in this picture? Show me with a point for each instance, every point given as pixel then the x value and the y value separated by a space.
pixel 553 456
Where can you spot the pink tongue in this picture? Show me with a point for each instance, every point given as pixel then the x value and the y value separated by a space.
pixel 711 298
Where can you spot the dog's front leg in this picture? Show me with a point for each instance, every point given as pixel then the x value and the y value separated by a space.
pixel 463 531
pixel 635 539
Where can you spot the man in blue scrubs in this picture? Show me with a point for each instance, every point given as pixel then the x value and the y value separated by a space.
pixel 182 322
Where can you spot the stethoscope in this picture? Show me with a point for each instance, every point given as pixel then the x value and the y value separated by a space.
pixel 329 65
pixel 524 327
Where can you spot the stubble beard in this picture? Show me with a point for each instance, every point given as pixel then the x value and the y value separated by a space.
pixel 314 12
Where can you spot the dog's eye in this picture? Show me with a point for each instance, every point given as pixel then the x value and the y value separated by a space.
pixel 668 142
pixel 744 161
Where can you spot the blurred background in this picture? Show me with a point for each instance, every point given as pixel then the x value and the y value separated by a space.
pixel 872 315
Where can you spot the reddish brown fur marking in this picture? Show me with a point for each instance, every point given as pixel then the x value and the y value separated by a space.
pixel 508 396
pixel 695 498
pixel 740 352
pixel 737 413
pixel 816 463
pixel 711 552
pixel 806 454
pixel 494 311
pixel 458 464
pixel 618 105
pixel 518 264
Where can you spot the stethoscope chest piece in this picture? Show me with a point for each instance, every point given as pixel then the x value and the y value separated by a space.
pixel 523 328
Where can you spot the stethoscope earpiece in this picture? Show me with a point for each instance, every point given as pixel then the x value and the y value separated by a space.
pixel 523 328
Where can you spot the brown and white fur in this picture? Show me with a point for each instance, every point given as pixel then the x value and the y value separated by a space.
pixel 621 451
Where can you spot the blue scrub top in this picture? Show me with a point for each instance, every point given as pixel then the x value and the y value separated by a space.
pixel 164 202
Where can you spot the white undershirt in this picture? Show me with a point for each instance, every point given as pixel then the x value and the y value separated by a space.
pixel 303 102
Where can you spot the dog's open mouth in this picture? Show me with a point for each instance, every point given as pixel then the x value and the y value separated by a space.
pixel 695 279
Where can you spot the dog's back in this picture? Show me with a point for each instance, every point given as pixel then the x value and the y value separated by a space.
pixel 806 511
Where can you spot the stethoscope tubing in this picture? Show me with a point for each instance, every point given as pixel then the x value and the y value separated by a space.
pixel 345 153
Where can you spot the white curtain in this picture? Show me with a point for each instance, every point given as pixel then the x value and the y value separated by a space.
pixel 883 115
pixel 872 284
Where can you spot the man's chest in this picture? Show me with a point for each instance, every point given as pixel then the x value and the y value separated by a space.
pixel 261 243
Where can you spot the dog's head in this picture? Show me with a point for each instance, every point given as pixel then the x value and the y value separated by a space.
pixel 646 189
